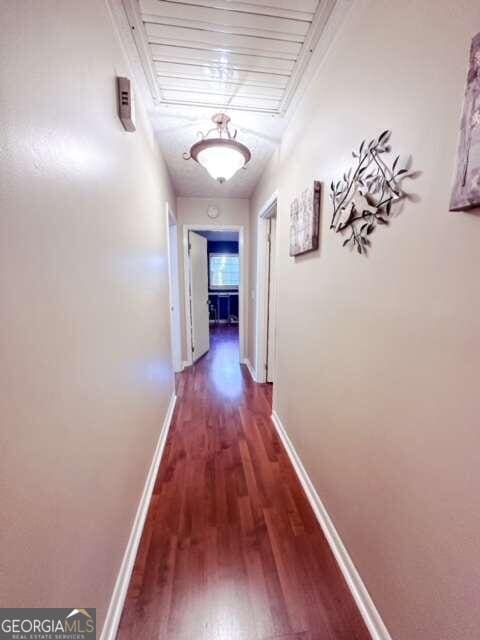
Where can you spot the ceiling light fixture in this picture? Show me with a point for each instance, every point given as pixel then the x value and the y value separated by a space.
pixel 221 156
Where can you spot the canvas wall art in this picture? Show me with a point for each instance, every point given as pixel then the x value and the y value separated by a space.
pixel 305 220
pixel 466 188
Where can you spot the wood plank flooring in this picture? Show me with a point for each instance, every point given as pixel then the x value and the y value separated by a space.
pixel 231 549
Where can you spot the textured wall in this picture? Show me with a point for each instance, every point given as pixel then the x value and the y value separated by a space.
pixel 378 374
pixel 86 376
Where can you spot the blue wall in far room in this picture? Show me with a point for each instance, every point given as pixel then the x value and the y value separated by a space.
pixel 221 246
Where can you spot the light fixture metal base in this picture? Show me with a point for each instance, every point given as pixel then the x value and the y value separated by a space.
pixel 221 120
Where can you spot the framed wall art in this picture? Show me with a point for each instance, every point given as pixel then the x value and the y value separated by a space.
pixel 305 220
pixel 466 187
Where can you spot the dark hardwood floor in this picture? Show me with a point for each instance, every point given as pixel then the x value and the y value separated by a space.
pixel 231 549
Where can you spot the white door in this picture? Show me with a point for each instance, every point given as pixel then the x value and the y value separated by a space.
pixel 271 302
pixel 173 291
pixel 199 295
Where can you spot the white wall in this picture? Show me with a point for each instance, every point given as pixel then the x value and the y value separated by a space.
pixel 379 357
pixel 193 210
pixel 86 375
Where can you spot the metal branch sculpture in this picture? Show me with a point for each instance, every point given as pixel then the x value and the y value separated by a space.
pixel 363 198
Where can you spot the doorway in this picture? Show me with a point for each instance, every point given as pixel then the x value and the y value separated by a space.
pixel 173 290
pixel 266 292
pixel 270 324
pixel 214 277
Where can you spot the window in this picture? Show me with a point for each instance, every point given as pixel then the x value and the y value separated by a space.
pixel 224 270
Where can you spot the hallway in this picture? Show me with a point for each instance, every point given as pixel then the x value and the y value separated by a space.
pixel 307 176
pixel 231 548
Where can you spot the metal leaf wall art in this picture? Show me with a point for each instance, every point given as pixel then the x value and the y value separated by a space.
pixel 363 199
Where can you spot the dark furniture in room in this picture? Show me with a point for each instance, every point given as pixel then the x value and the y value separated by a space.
pixel 223 307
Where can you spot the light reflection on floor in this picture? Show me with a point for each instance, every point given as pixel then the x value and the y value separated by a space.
pixel 223 362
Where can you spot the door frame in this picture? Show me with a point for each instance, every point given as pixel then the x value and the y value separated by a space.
pixel 261 289
pixel 174 290
pixel 240 229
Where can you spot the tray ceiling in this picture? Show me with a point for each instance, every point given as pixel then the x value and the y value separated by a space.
pixel 226 54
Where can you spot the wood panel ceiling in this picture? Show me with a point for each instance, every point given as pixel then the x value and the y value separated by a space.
pixel 226 54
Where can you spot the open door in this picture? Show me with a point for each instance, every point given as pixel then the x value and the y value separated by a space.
pixel 199 295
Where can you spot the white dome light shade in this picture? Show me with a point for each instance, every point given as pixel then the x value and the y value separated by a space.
pixel 221 162
pixel 222 158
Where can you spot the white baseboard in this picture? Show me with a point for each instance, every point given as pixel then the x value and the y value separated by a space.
pixel 110 627
pixel 365 604
pixel 251 370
